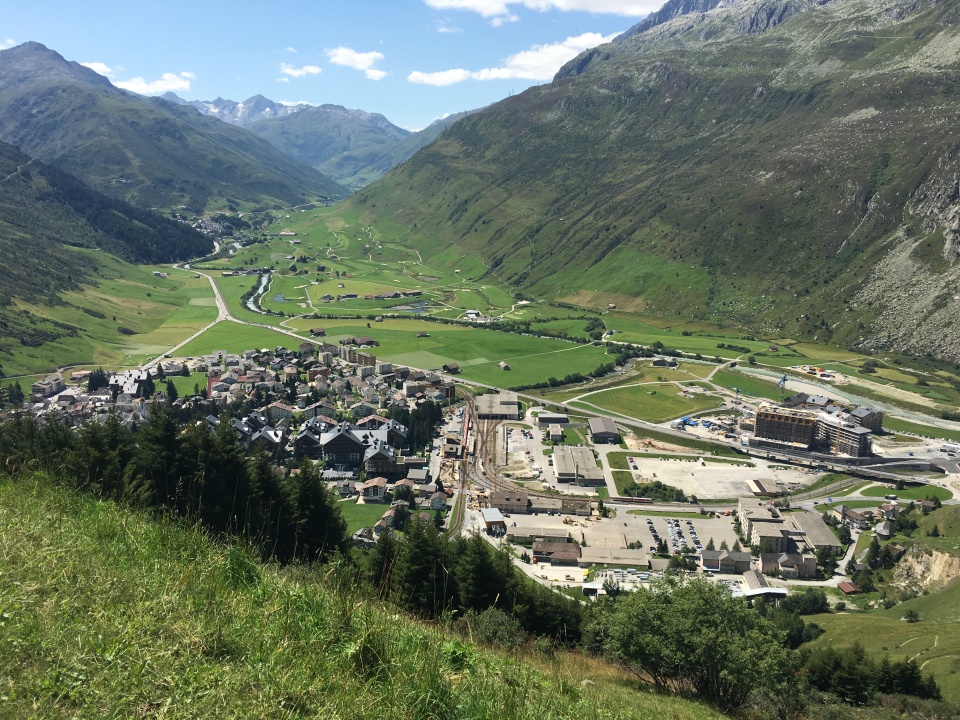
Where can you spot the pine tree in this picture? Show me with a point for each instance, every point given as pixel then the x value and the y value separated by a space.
pixel 171 391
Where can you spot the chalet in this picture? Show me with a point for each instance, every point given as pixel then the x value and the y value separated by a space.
pixel 452 368
pixel 503 365
pixel 408 484
pixel 374 490
pixel 360 341
pixel 849 588
pixel 789 565
pixel 438 501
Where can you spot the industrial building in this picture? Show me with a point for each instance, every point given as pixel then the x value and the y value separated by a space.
pixel 577 465
pixel 603 430
pixel 498 406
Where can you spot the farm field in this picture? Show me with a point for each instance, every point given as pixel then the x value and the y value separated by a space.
pixel 234 338
pixel 477 350
pixel 159 311
pixel 665 402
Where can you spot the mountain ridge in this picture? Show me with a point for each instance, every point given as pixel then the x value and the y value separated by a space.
pixel 790 177
pixel 149 151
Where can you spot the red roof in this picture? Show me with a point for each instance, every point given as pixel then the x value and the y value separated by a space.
pixel 848 588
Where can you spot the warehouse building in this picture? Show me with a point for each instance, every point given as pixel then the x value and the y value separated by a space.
pixel 577 465
pixel 603 431
pixel 498 406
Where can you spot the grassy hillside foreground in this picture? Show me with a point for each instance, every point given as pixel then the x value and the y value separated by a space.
pixel 105 613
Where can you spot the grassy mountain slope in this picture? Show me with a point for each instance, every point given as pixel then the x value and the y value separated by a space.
pixel 314 135
pixel 148 151
pixel 351 146
pixel 933 641
pixel 792 172
pixel 59 235
pixel 110 614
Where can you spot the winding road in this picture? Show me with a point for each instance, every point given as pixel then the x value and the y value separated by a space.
pixel 223 315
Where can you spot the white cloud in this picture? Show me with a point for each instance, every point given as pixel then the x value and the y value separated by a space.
pixel 499 10
pixel 168 82
pixel 540 62
pixel 299 71
pixel 358 61
pixel 8 43
pixel 291 50
pixel 490 8
pixel 500 20
pixel 444 26
pixel 283 79
pixel 439 79
pixel 99 67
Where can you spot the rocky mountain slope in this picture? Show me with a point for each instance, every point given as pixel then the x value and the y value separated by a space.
pixel 242 113
pixel 789 167
pixel 146 150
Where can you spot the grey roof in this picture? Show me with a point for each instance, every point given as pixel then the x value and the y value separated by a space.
pixel 602 425
pixel 814 529
pixel 492 515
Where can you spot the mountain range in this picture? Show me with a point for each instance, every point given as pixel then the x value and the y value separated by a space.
pixel 353 147
pixel 785 166
pixel 146 150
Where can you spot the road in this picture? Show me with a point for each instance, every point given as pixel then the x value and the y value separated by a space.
pixel 223 315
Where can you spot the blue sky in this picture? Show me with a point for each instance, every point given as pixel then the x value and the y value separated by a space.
pixel 411 60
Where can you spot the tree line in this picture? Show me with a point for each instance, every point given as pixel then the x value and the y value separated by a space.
pixel 193 472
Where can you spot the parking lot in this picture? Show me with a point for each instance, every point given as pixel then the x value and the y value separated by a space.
pixel 633 578
pixel 628 528
pixel 648 530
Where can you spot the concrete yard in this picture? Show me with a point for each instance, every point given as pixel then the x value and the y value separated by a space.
pixel 707 479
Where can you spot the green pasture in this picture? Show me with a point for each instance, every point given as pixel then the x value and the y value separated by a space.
pixel 911 492
pixel 235 338
pixel 933 642
pixel 476 349
pixel 905 426
pixel 653 402
pixel 749 384
pixel 160 312
pixel 360 515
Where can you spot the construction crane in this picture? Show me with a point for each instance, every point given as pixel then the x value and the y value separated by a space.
pixel 782 384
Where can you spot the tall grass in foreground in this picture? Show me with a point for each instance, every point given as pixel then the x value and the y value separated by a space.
pixel 106 613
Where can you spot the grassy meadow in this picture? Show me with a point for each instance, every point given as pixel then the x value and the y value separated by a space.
pixel 107 613
pixel 159 311
pixel 653 402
